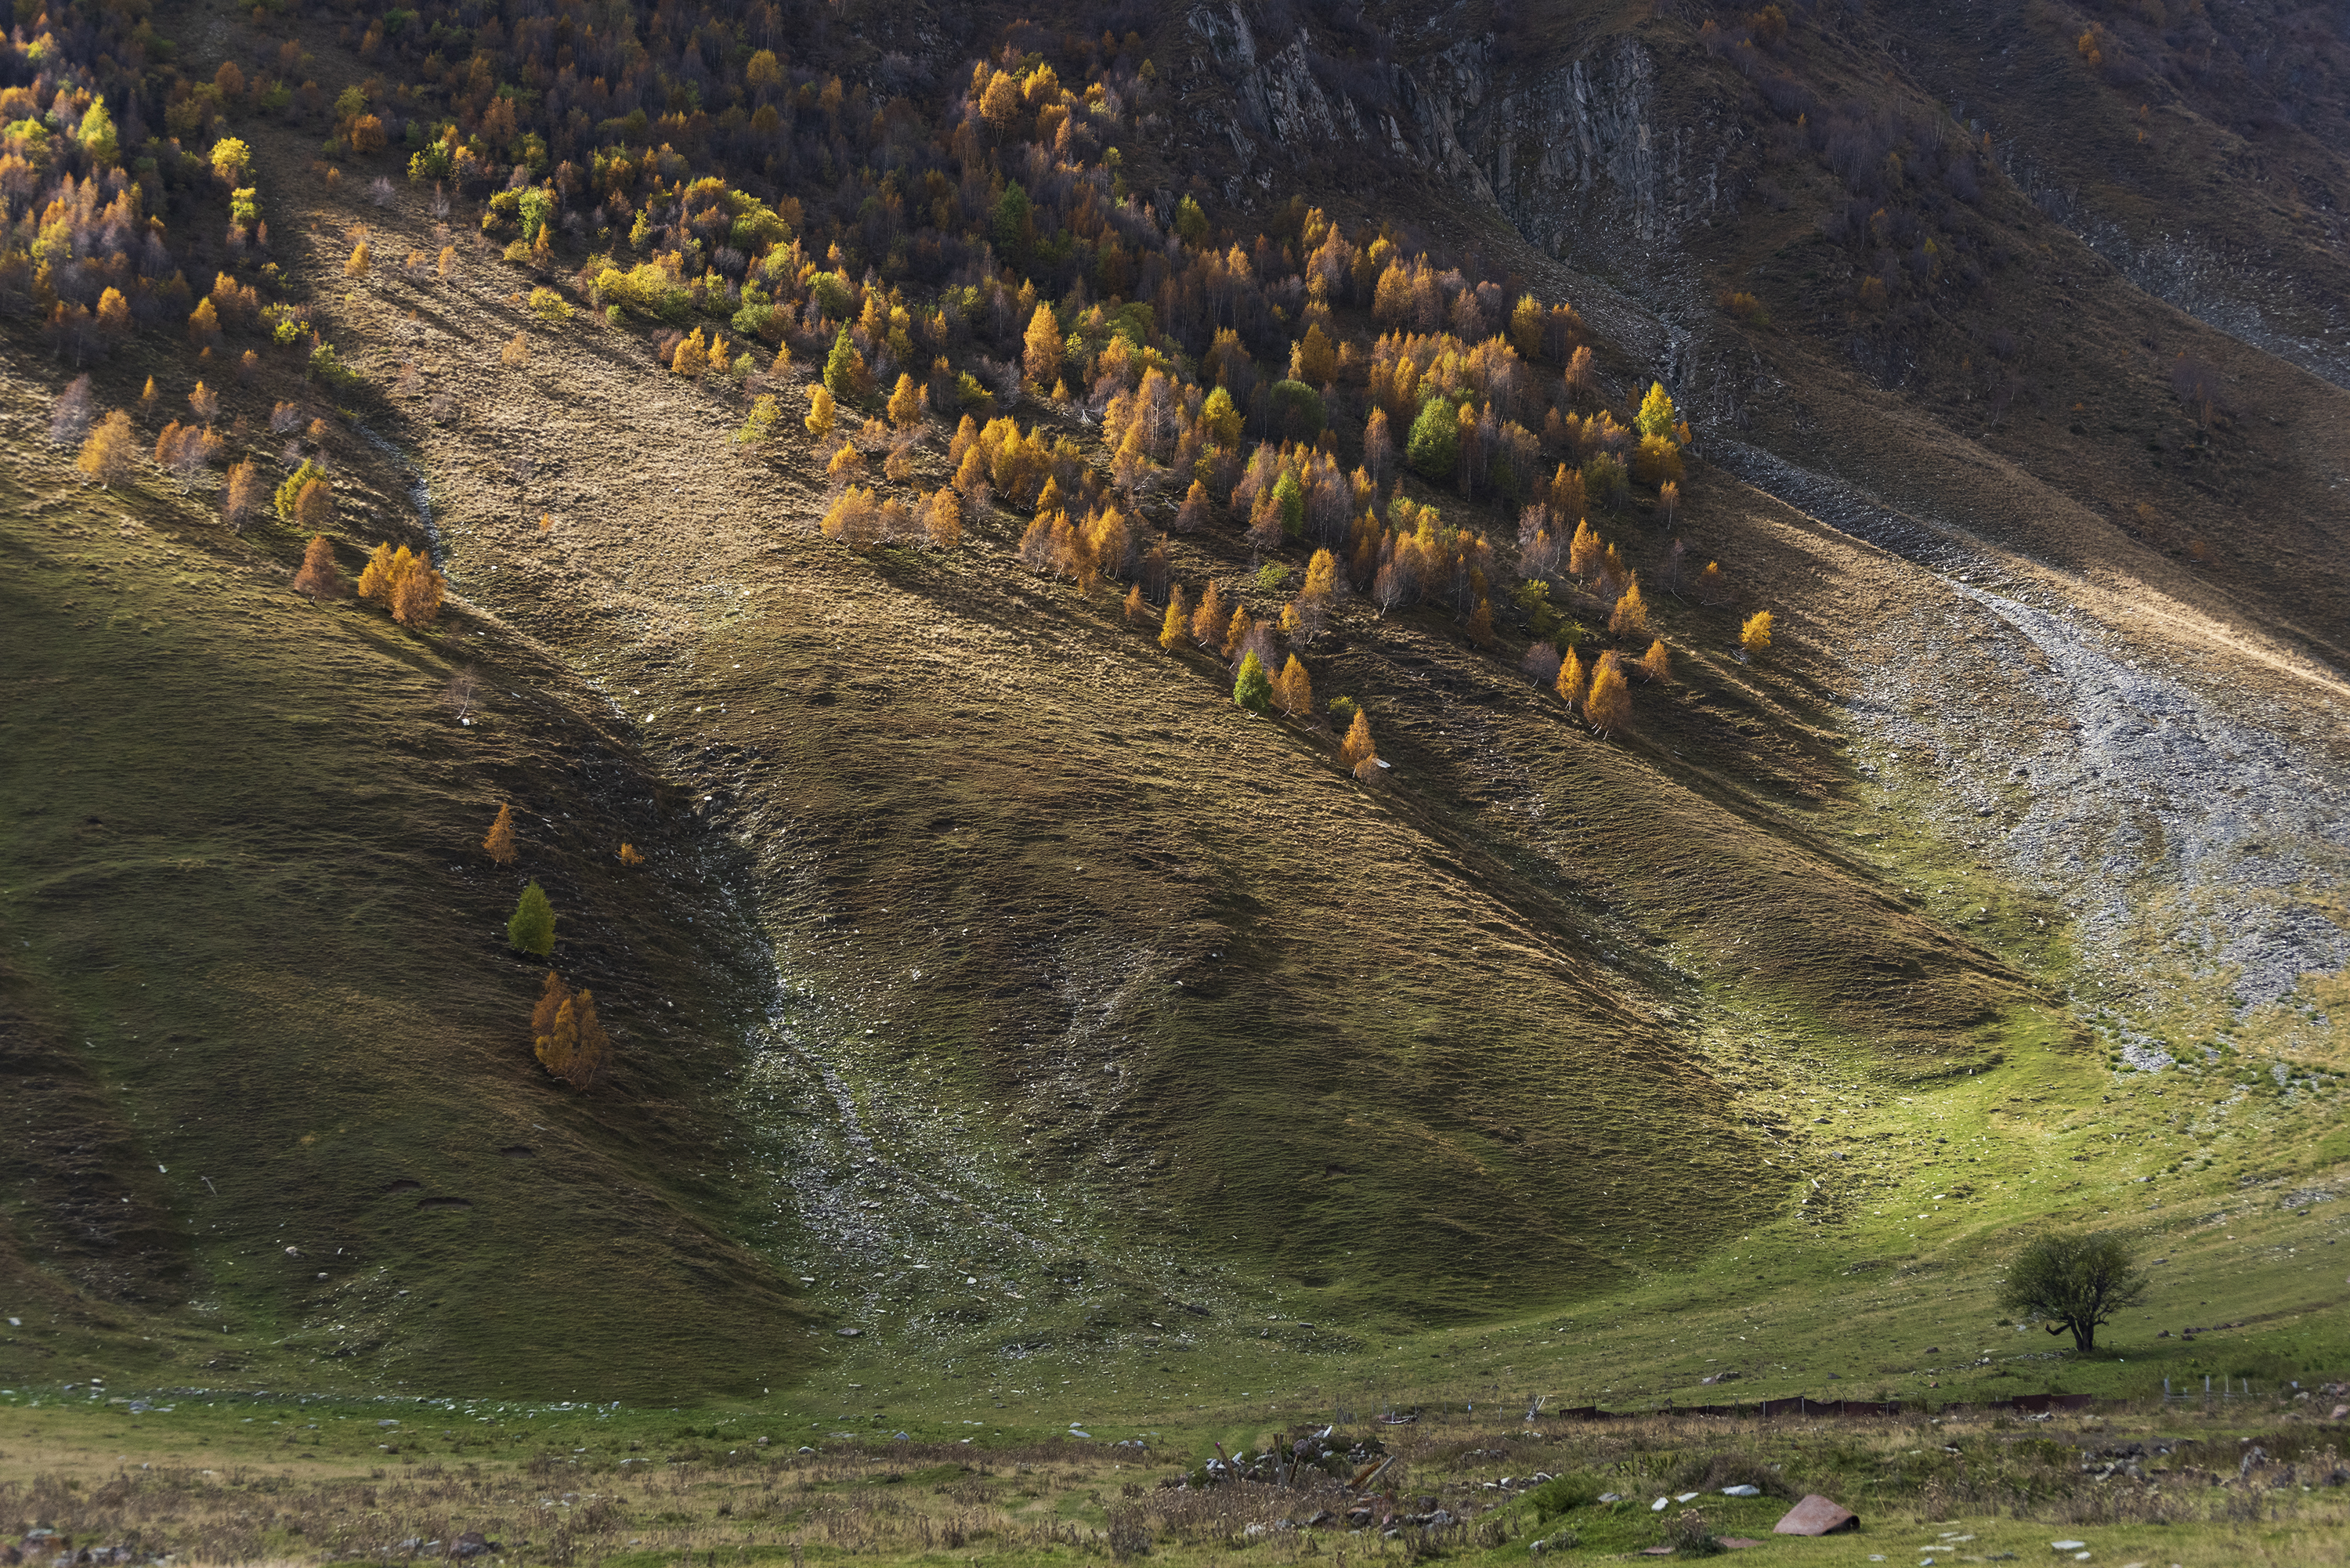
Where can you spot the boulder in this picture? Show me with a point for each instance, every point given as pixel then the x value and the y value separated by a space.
pixel 1815 1515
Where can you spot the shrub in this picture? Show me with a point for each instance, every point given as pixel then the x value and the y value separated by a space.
pixel 516 353
pixel 1562 1495
pixel 531 930
pixel 631 857
pixel 646 290
pixel 549 307
pixel 1343 710
pixel 1251 689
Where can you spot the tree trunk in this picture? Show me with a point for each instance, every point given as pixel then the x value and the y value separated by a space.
pixel 2085 1336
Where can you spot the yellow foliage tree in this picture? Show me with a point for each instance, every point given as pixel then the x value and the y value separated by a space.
pixel 1754 637
pixel 1293 689
pixel 356 267
pixel 109 455
pixel 551 999
pixel 1211 619
pixel 375 577
pixel 1358 749
pixel 1586 550
pixel 1656 664
pixel 1630 617
pixel 692 355
pixel 1175 628
pixel 820 411
pixel 1607 708
pixel 942 519
pixel 905 403
pixel 1041 353
pixel 629 857
pixel 1571 679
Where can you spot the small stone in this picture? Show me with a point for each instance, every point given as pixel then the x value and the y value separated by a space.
pixel 1658 1506
pixel 850 1333
pixel 1742 1491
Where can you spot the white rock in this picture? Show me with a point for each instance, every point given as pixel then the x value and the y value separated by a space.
pixel 1658 1506
pixel 1742 1491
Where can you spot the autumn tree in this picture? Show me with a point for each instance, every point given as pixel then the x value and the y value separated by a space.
pixel 313 505
pixel 1138 609
pixel 1251 689
pixel 1378 447
pixel 1754 637
pixel 942 519
pixel 1293 689
pixel 356 267
pixel 1656 664
pixel 1607 708
pixel 854 519
pixel 1571 679
pixel 1668 502
pixel 819 414
pixel 1658 417
pixel 375 577
pixel 243 497
pixel 531 930
pixel 320 578
pixel 109 454
pixel 500 844
pixel 1586 550
pixel 1174 627
pixel 1480 629
pixel 905 403
pixel 516 353
pixel 1357 747
pixel 417 589
pixel 551 998
pixel 1192 515
pixel 1213 616
pixel 1041 355
pixel 1630 617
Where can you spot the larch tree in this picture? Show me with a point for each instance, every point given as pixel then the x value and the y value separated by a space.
pixel 1658 417
pixel 356 267
pixel 905 403
pixel 245 494
pixel 1754 637
pixel 1359 748
pixel 1630 617
pixel 1192 515
pixel 1378 447
pixel 531 930
pixel 942 519
pixel 559 1043
pixel 375 577
pixel 1041 347
pixel 819 414
pixel 1293 689
pixel 592 1051
pixel 313 505
pixel 320 578
pixel 1586 551
pixel 1481 625
pixel 551 998
pixel 417 590
pixel 1251 689
pixel 109 454
pixel 500 844
pixel 1571 679
pixel 1608 706
pixel 1138 609
pixel 1175 628
pixel 1656 664
pixel 1210 620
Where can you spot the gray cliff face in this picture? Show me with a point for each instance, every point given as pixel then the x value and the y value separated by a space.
pixel 1574 154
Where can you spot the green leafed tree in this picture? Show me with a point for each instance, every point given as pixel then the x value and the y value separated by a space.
pixel 2074 1282
pixel 1290 498
pixel 532 928
pixel 1434 448
pixel 1254 689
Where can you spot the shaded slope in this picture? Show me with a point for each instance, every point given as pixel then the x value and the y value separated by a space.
pixel 259 949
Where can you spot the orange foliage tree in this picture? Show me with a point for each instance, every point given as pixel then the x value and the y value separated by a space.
pixel 500 844
pixel 320 578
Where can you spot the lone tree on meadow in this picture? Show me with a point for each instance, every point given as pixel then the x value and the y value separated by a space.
pixel 500 844
pixel 2074 1282
pixel 532 928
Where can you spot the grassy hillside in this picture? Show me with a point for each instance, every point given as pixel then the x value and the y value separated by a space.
pixel 1053 1022
pixel 274 1102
